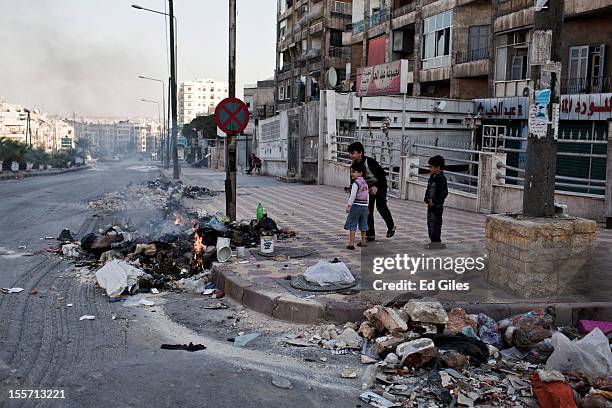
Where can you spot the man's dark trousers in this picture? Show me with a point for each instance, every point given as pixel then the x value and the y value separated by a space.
pixel 434 223
pixel 380 201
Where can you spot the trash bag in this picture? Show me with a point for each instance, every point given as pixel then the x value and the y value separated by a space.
pixel 267 224
pixel 590 356
pixel 325 274
pixel 488 331
pixel 476 349
pixel 116 276
pixel 552 394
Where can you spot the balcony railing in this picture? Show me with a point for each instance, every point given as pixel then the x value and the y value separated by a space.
pixel 405 9
pixel 341 7
pixel 586 85
pixel 358 27
pixel 339 52
pixel 472 55
pixel 375 19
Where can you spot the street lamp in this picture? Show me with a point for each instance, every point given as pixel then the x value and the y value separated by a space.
pixel 172 85
pixel 165 136
pixel 158 110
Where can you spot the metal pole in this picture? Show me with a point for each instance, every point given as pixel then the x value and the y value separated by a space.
pixel 609 179
pixel 230 149
pixel 176 173
pixel 404 127
pixel 359 137
pixel 539 190
pixel 168 122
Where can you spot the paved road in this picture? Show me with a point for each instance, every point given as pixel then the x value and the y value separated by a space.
pixel 118 363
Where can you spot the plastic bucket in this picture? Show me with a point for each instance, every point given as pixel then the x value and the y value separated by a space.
pixel 267 245
pixel 224 252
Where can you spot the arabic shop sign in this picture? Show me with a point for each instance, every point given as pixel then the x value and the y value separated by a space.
pixel 572 107
pixel 586 107
pixel 503 108
pixel 383 79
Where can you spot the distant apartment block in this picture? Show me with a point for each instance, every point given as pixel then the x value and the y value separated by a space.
pixel 199 97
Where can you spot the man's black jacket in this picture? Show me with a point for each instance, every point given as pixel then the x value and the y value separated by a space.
pixel 375 175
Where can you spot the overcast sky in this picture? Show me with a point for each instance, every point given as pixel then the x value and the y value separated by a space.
pixel 84 56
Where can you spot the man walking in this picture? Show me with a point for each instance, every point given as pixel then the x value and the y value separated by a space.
pixel 376 178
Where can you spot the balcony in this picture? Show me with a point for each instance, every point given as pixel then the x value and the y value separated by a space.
pixel 339 52
pixel 340 7
pixel 586 85
pixel 316 27
pixel 511 88
pixel 472 55
pixel 405 9
pixel 375 19
pixel 358 27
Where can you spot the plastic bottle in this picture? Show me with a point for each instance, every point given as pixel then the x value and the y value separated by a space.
pixel 260 211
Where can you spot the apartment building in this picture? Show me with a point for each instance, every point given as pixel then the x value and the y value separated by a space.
pixel 259 98
pixel 445 43
pixel 199 97
pixel 309 43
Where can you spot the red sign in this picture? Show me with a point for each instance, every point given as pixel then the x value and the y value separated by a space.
pixel 383 79
pixel 232 116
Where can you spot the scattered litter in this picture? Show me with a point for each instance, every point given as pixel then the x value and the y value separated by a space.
pixel 587 326
pixel 281 382
pixel 65 236
pixel 208 291
pixel 11 290
pixel 69 305
pixel 117 276
pixel 348 373
pixel 241 341
pixel 71 250
pixel 130 302
pixel 154 291
pixel 552 394
pixel 33 291
pixel 217 305
pixel 218 294
pixel 324 273
pixel 186 347
pixel 87 317
pixel 377 401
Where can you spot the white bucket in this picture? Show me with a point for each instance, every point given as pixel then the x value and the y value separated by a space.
pixel 224 252
pixel 240 252
pixel 267 244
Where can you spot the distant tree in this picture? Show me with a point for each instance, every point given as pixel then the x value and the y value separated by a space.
pixel 12 151
pixel 205 124
pixel 37 157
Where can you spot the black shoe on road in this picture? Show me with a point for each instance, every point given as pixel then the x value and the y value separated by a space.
pixel 370 238
pixel 391 232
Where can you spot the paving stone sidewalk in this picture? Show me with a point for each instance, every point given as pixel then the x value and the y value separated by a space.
pixel 317 214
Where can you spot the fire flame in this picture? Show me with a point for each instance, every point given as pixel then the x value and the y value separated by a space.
pixel 198 248
pixel 178 220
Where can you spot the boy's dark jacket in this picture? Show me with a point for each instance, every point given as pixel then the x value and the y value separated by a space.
pixel 437 189
pixel 375 175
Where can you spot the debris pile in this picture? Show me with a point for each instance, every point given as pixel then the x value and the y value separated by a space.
pixel 420 355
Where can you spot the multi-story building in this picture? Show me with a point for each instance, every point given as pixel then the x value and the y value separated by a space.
pixel 113 136
pixel 260 99
pixel 199 97
pixel 446 43
pixel 32 126
pixel 309 42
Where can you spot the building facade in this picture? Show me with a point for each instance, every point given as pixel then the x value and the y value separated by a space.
pixel 309 42
pixel 259 99
pixel 199 97
pixel 446 43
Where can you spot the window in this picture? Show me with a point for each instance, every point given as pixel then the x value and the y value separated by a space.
pixel 189 89
pixel 281 93
pixel 189 104
pixel 437 40
pixel 478 42
pixel 335 39
pixel 512 56
pixel 188 96
pixel 585 71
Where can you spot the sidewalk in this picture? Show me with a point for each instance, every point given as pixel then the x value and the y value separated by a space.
pixel 317 214
pixel 9 175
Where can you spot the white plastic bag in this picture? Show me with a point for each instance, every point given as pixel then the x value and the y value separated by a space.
pixel 325 273
pixel 590 355
pixel 116 275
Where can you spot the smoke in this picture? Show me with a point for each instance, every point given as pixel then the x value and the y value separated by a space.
pixel 64 63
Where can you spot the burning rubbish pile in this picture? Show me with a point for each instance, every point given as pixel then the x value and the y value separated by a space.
pixel 173 253
pixel 422 356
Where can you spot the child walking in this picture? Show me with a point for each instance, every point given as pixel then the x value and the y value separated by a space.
pixel 436 193
pixel 357 207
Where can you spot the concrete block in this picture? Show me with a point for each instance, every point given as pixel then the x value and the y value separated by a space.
pixel 259 300
pixel 234 287
pixel 296 310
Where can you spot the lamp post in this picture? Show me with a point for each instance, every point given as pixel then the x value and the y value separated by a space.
pixel 172 85
pixel 473 123
pixel 158 109
pixel 165 140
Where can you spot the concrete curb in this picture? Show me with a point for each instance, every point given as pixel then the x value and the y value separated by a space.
pixel 22 175
pixel 309 311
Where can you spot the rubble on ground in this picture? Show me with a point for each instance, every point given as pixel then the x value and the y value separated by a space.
pixel 407 367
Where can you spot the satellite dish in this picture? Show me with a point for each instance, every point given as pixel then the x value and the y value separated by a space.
pixel 332 77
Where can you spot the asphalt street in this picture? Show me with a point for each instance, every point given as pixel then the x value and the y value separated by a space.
pixel 118 362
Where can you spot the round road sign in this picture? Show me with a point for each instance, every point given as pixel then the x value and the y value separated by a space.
pixel 232 115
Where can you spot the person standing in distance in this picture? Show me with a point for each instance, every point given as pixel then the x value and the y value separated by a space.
pixel 376 177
